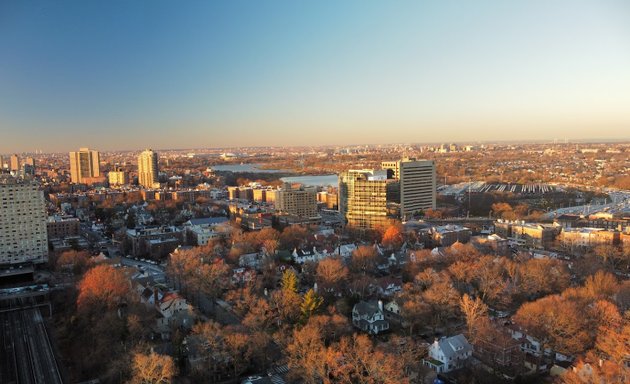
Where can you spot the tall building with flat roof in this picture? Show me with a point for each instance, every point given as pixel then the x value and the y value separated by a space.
pixel 84 165
pixel 417 184
pixel 148 169
pixel 363 198
pixel 14 164
pixel 118 177
pixel 301 202
pixel 23 235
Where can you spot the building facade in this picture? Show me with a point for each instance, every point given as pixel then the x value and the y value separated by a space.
pixel 23 236
pixel 84 165
pixel 148 169
pixel 118 177
pixel 301 202
pixel 363 197
pixel 417 184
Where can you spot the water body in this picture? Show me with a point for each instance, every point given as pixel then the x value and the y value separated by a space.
pixel 318 181
pixel 242 168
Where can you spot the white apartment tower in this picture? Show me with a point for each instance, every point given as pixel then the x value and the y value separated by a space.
pixel 23 236
pixel 148 169
pixel 417 184
pixel 84 164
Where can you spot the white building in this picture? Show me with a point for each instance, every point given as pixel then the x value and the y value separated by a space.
pixel 369 317
pixel 23 233
pixel 448 353
pixel 148 169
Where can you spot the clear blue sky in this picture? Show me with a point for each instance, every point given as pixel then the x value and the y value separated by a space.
pixel 186 74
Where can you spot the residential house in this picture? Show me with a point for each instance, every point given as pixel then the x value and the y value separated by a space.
pixel 369 317
pixel 448 354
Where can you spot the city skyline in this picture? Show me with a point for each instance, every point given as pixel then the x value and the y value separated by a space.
pixel 210 74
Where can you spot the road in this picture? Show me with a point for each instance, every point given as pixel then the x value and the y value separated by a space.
pixel 27 356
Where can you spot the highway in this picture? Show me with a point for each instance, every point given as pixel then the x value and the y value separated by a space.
pixel 27 356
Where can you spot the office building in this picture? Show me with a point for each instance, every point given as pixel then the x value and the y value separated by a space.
pixel 148 169
pixel 364 196
pixel 85 166
pixel 300 202
pixel 23 237
pixel 417 184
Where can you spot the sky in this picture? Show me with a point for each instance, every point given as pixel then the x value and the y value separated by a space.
pixel 191 74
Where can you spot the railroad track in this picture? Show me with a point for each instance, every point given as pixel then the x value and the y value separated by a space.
pixel 27 356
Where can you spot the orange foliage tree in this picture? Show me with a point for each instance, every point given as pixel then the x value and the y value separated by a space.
pixel 103 285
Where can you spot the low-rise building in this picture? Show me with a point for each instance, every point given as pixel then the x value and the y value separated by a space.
pixel 448 354
pixel 448 235
pixel 155 243
pixel 369 317
pixel 588 237
pixel 59 227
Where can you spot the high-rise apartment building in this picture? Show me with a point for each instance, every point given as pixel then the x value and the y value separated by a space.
pixel 417 184
pixel 29 166
pixel 84 165
pixel 118 177
pixel 148 169
pixel 23 235
pixel 301 202
pixel 363 197
pixel 14 164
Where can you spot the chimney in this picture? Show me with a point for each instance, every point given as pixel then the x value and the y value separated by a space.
pixel 380 305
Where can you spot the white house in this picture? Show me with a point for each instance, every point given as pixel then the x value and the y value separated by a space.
pixel 448 353
pixel 369 317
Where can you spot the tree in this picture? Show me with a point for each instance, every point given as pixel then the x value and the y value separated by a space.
pixel 557 323
pixel 601 284
pixel 543 276
pixel 77 261
pixel 310 303
pixel 292 237
pixel 103 285
pixel 503 210
pixel 152 368
pixel 443 300
pixel 474 310
pixel 306 355
pixel 364 259
pixel 414 312
pixel 356 360
pixel 331 274
pixel 393 236
pixel 289 282
pixel 236 346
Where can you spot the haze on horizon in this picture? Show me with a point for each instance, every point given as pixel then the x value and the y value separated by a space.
pixel 163 74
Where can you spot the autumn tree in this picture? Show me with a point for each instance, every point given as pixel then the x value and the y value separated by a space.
pixel 331 275
pixel 474 310
pixel 292 237
pixel 356 360
pixel 556 323
pixel 393 237
pixel 306 355
pixel 364 259
pixel 601 285
pixel 152 368
pixel 76 261
pixel 310 303
pixel 103 286
pixel 443 301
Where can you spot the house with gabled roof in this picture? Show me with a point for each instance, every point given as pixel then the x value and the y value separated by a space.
pixel 369 317
pixel 448 354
